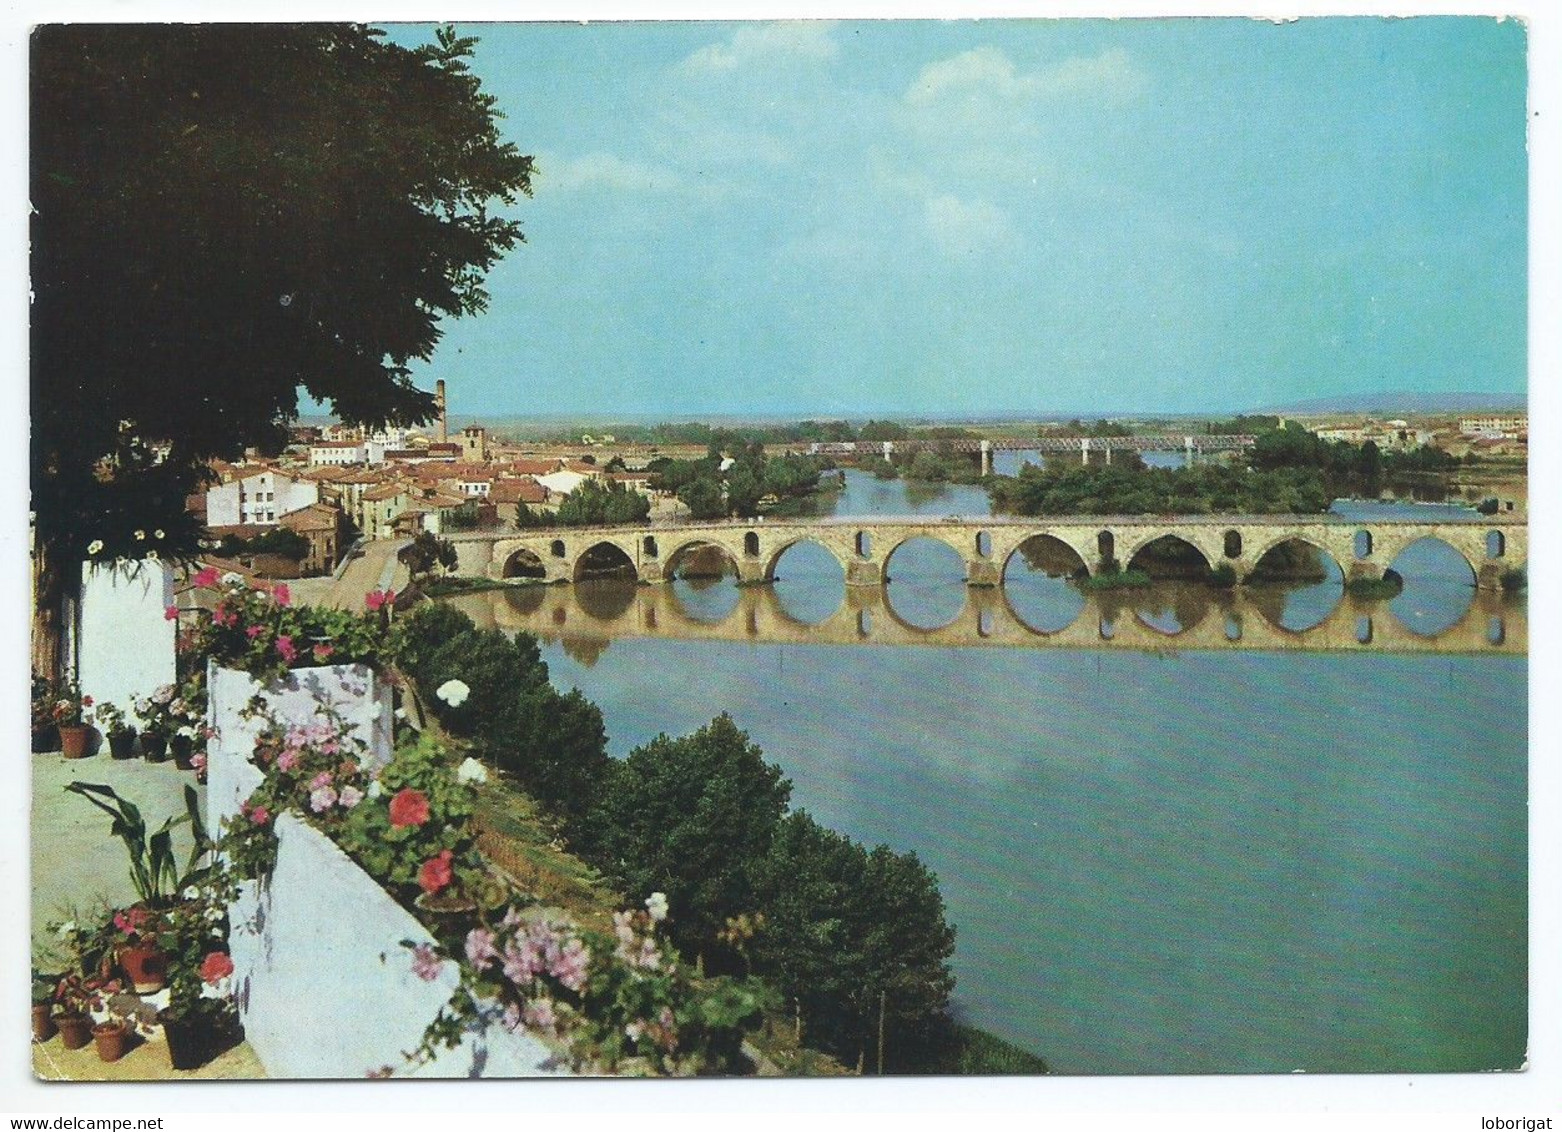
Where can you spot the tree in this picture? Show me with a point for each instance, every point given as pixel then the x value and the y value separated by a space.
pixel 593 504
pixel 223 214
pixel 526 518
pixel 427 553
pixel 704 498
pixel 693 817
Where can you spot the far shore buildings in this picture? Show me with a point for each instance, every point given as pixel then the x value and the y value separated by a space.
pixel 335 484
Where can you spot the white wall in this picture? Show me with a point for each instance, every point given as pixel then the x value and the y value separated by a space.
pixel 324 984
pixel 259 499
pixel 126 642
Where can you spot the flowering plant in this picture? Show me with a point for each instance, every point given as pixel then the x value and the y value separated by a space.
pixel 194 936
pixel 156 711
pixel 71 708
pixel 113 720
pixel 608 998
pixel 45 695
pixel 85 995
pixel 262 632
pixel 137 925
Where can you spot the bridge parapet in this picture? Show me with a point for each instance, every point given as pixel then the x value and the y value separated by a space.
pixel 864 548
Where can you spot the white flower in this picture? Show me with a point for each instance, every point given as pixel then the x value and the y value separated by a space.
pixel 157 534
pixel 187 732
pixel 232 579
pixel 65 929
pixel 126 426
pixel 140 535
pixel 656 905
pixel 375 789
pixel 453 692
pixel 151 556
pixel 215 913
pixel 95 546
pixel 472 771
pixel 191 893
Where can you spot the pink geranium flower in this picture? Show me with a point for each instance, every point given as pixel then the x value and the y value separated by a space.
pixel 408 807
pixel 206 578
pixel 254 631
pixel 378 599
pixel 425 963
pixel 216 967
pixel 281 595
pixel 435 873
pixel 323 651
pixel 171 613
pixel 260 815
pixel 286 648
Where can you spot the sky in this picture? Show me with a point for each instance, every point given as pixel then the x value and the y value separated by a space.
pixel 1000 217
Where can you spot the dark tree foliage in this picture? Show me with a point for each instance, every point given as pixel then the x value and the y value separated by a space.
pixel 281 540
pixel 223 214
pixel 1074 489
pixel 593 504
pixel 844 926
pixel 693 817
pixel 428 552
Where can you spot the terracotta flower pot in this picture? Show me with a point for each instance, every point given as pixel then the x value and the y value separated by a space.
pixel 75 1030
pixel 73 740
pixel 190 1041
pixel 111 1037
pixel 146 967
pixel 154 747
pixel 182 746
pixel 122 744
pixel 43 1021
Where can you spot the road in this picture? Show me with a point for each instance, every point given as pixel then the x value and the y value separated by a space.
pixel 376 569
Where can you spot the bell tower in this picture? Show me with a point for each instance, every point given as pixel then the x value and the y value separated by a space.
pixel 439 403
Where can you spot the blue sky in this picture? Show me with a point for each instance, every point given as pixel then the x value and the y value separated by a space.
pixel 951 218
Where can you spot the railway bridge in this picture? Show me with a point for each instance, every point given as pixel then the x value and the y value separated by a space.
pixel 865 547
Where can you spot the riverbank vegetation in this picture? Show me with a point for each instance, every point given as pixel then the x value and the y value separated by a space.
pixel 853 940
pixel 751 479
pixel 1128 487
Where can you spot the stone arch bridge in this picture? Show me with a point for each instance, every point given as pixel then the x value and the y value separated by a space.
pixel 864 547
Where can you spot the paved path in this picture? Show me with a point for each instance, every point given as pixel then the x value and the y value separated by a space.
pixel 77 864
pixel 376 569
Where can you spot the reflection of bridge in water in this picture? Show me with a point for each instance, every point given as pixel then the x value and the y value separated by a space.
pixel 1214 621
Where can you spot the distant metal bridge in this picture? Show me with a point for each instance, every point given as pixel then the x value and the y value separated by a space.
pixel 1191 444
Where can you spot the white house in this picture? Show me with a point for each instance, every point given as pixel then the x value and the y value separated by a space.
pixel 259 499
pixel 562 482
pixel 335 453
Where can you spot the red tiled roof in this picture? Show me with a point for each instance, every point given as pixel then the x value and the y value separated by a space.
pixel 518 491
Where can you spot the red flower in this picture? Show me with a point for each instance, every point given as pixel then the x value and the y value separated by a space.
pixel 323 651
pixel 285 647
pixel 206 578
pixel 435 873
pixel 280 593
pixel 216 967
pixel 409 807
pixel 86 701
pixel 377 599
pixel 171 613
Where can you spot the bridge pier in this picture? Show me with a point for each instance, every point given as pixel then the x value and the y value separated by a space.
pixel 751 572
pixel 987 457
pixel 864 572
pixel 982 572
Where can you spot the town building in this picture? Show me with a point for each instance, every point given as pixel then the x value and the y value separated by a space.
pixel 258 499
pixel 336 453
pixel 1494 426
pixel 323 527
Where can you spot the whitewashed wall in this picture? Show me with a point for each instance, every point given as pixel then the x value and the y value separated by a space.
pixel 126 642
pixel 325 982
pixel 354 692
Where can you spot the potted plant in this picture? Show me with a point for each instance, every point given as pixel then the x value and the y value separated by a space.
pixel 156 723
pixel 116 728
pixel 73 716
pixel 74 1019
pixel 140 958
pixel 111 1037
pixel 46 735
pixel 182 745
pixel 43 1007
pixel 200 1015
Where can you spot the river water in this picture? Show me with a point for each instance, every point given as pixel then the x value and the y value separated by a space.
pixel 1158 860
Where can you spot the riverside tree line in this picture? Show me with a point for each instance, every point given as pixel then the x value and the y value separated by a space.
pixel 852 938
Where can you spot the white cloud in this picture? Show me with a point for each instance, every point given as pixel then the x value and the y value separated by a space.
pixel 986 73
pixel 762 44
pixel 602 170
pixel 961 227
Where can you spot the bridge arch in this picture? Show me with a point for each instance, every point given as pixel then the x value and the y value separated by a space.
pixel 689 547
pixel 606 554
pixel 523 562
pixel 780 550
pixel 1297 537
pixel 922 535
pixel 1171 539
pixel 1046 545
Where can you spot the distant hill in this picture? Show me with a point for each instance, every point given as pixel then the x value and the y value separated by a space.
pixel 1400 402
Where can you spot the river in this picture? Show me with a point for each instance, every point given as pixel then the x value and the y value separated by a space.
pixel 1158 859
